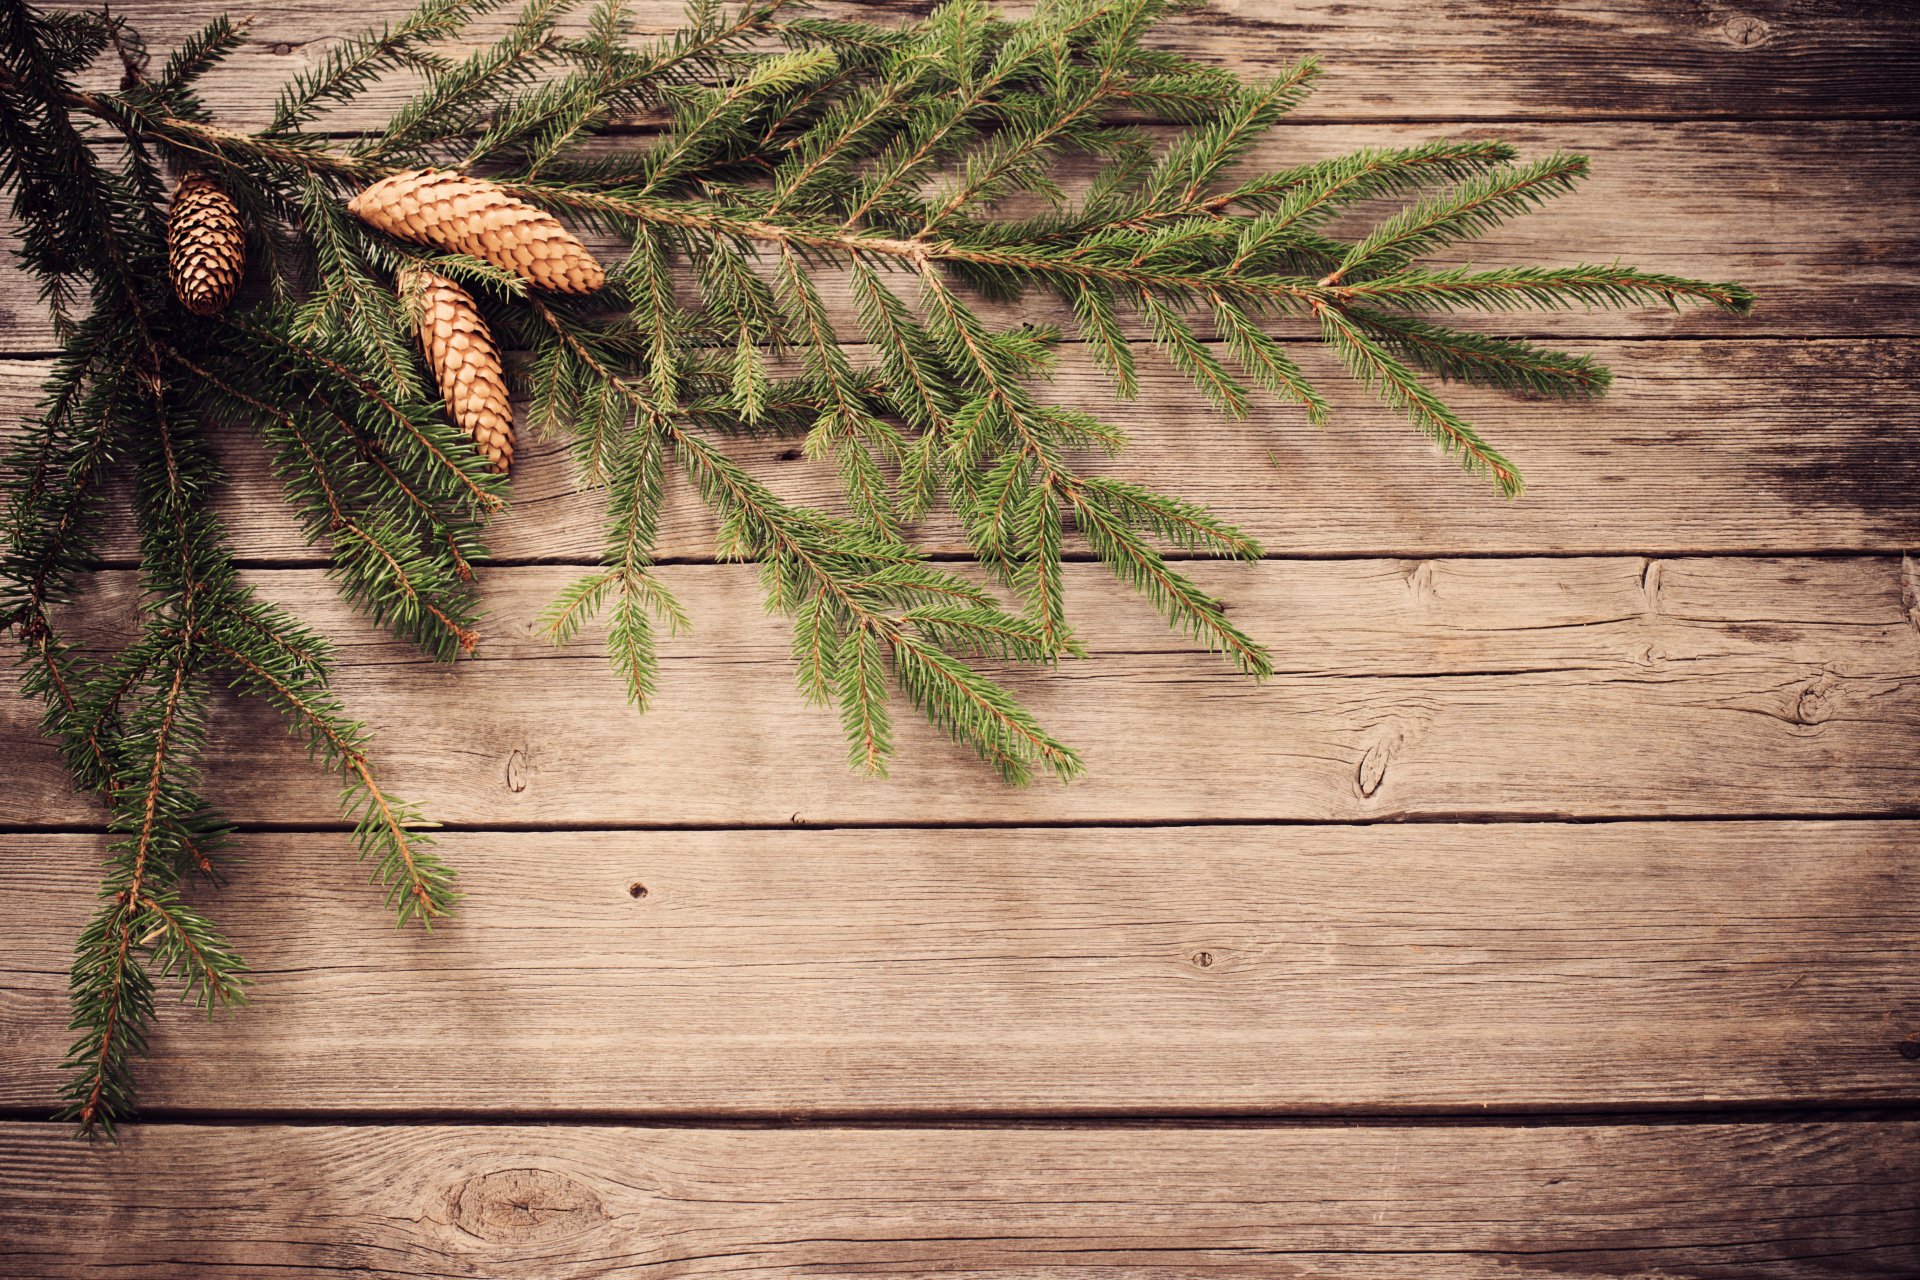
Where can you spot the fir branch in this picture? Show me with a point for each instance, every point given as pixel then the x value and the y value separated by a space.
pixel 457 98
pixel 1542 288
pixel 1477 358
pixel 1135 562
pixel 1265 361
pixel 113 993
pixel 357 63
pixel 1395 383
pixel 1312 193
pixel 383 571
pixel 198 54
pixel 1467 210
pixel 809 559
pixel 387 831
pixel 417 430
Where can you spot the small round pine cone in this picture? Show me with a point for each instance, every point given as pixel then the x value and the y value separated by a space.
pixel 472 216
pixel 465 362
pixel 206 244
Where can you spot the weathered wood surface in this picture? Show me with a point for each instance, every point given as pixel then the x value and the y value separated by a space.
pixel 1473 1203
pixel 1103 971
pixel 1178 971
pixel 1759 203
pixel 1703 446
pixel 1444 60
pixel 1544 687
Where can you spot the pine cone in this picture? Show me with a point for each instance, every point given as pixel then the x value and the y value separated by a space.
pixel 465 363
pixel 206 244
pixel 467 215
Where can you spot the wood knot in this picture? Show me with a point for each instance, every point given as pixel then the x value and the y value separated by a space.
pixel 1372 770
pixel 1218 963
pixel 517 770
pixel 1744 31
pixel 1814 705
pixel 1420 581
pixel 523 1206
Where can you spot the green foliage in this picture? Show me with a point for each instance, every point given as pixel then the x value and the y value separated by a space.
pixel 915 169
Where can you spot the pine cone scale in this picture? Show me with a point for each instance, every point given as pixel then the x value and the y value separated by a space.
pixel 459 214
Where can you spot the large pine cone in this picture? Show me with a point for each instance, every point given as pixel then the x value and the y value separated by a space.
pixel 206 244
pixel 465 363
pixel 467 215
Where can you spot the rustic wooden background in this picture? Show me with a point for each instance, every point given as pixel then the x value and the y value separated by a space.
pixel 1568 929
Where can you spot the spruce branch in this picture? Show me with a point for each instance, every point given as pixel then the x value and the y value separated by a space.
pixel 1375 366
pixel 360 62
pixel 1472 357
pixel 387 830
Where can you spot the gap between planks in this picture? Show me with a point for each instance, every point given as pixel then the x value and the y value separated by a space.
pixel 1062 1120
pixel 1434 818
pixel 1071 338
pixel 1174 555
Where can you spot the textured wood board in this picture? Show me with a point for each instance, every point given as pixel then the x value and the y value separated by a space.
pixel 1753 202
pixel 1702 446
pixel 1396 968
pixel 1478 1203
pixel 1035 971
pixel 1542 688
pixel 1446 60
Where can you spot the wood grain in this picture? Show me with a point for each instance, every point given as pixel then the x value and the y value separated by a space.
pixel 1703 446
pixel 910 978
pixel 1238 970
pixel 1705 1203
pixel 1518 688
pixel 1450 59
pixel 1751 202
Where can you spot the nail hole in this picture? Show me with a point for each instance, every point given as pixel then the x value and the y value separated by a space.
pixel 1909 1049
pixel 636 890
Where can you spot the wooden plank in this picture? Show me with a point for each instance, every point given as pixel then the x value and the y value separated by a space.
pixel 1449 59
pixel 1117 971
pixel 1721 1201
pixel 1541 687
pixel 1758 203
pixel 1710 446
